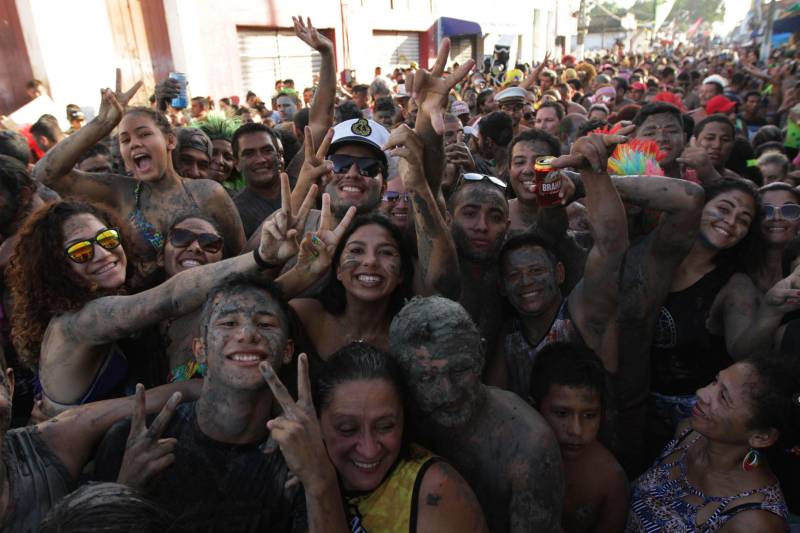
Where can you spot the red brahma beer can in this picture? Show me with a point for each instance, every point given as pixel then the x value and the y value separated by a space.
pixel 548 182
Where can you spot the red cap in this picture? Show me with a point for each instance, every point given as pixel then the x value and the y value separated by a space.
pixel 670 98
pixel 638 86
pixel 568 58
pixel 719 104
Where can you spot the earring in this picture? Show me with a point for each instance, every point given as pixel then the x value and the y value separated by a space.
pixel 751 461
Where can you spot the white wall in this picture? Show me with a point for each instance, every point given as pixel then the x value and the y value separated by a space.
pixel 71 48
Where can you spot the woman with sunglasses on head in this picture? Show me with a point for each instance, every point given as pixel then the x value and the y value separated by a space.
pixel 193 240
pixel 715 474
pixel 148 197
pixel 71 278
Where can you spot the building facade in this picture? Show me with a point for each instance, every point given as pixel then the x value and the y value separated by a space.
pixel 227 48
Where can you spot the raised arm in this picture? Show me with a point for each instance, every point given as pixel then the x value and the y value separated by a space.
pixel 594 300
pixel 430 91
pixel 56 170
pixel 320 115
pixel 438 260
pixel 73 435
pixel 531 80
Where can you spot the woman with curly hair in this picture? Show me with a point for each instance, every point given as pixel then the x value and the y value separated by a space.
pixel 154 191
pixel 70 279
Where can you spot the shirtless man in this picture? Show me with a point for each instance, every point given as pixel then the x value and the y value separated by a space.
pixel 532 275
pixel 501 445
pixel 568 387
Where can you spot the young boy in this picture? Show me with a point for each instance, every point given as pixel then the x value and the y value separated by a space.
pixel 568 389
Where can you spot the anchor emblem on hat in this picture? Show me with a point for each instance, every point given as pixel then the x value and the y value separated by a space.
pixel 361 127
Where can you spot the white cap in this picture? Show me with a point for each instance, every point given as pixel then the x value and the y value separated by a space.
pixel 511 93
pixel 360 131
pixel 716 78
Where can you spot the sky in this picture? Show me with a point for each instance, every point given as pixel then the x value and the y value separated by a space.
pixel 735 10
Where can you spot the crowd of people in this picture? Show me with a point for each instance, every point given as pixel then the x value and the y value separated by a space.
pixel 441 301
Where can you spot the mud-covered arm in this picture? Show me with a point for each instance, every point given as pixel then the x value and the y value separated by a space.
pixel 438 261
pixel 320 115
pixel 56 170
pixel 752 321
pixel 73 435
pixel 221 207
pixel 446 503
pixel 430 90
pixel 537 489
pixel 594 300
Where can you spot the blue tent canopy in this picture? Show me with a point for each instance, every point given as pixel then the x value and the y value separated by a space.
pixel 787 24
pixel 451 27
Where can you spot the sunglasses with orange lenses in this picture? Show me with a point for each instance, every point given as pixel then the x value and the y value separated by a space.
pixel 83 251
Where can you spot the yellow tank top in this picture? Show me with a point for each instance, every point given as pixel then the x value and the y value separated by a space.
pixel 392 507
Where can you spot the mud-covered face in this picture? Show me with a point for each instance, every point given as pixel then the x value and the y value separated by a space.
pixel 192 163
pixel 531 280
pixel 724 407
pixel 362 427
pixel 666 130
pixel 107 269
pixel 221 166
pixel 445 378
pixel 144 148
pixel 574 414
pixel 726 219
pixel 370 265
pixel 480 221
pixel 395 203
pixel 246 326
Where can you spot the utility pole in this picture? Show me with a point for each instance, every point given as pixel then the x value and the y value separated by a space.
pixel 766 44
pixel 582 24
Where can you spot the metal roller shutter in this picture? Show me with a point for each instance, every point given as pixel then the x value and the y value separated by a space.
pixel 269 55
pixel 394 49
pixel 460 49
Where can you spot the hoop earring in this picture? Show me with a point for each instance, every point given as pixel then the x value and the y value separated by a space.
pixel 751 461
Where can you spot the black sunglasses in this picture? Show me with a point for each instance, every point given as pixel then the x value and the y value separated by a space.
pixel 367 166
pixel 181 238
pixel 394 196
pixel 787 211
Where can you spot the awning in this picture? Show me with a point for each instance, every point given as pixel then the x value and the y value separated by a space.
pixel 451 27
pixel 505 41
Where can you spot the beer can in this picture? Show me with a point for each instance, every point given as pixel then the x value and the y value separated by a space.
pixel 182 100
pixel 548 182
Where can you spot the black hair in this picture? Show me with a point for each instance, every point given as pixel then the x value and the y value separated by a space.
pixel 94 150
pixel 290 143
pixel 738 160
pixel 385 103
pixel 717 86
pixel 46 126
pixel 251 127
pixel 568 365
pixel 15 145
pixel 300 120
pixel 621 83
pixel 534 135
pixel 555 105
pixel 576 84
pixel 160 119
pixel 528 238
pixel 333 297
pixel 775 398
pixel 108 508
pixel 745 255
pixel 667 71
pixel 768 133
pixel 360 88
pixel 748 94
pixel 498 127
pixel 589 126
pixel 242 283
pixel 688 126
pixel 716 117
pixel 462 184
pixel 657 108
pixel 347 110
pixel 17 182
pixel 482 96
pixel 570 126
pixel 790 254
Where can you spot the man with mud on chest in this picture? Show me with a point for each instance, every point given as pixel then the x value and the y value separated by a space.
pixel 501 445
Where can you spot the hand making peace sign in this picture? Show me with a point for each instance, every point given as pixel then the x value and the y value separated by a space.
pixel 146 453
pixel 113 103
pixel 297 430
pixel 279 233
